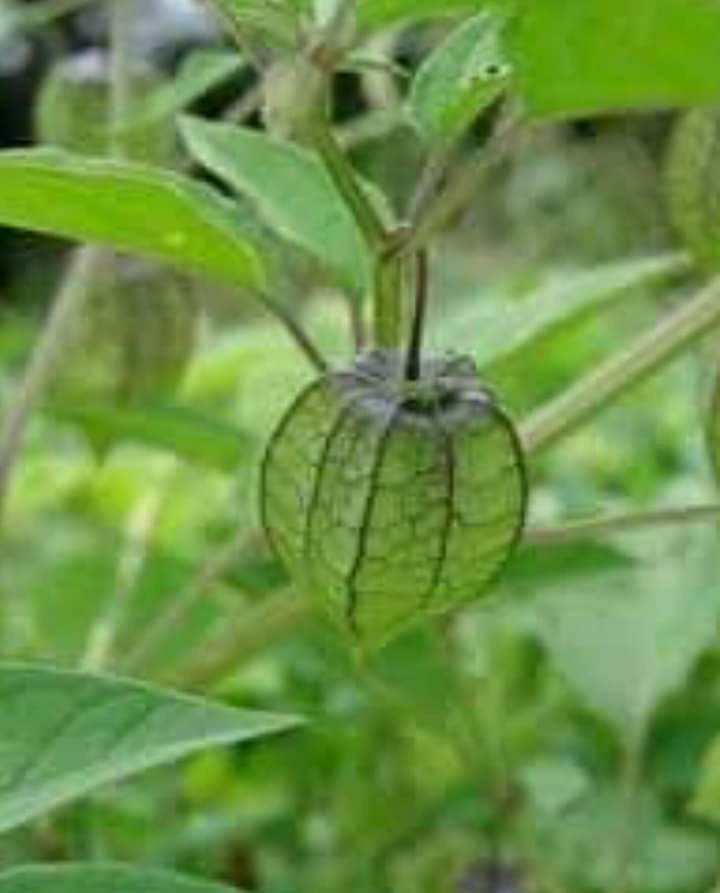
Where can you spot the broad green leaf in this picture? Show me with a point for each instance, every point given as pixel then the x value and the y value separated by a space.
pixel 100 878
pixel 273 19
pixel 186 433
pixel 628 639
pixel 374 14
pixel 130 207
pixel 200 72
pixel 705 803
pixel 463 76
pixel 580 58
pixel 580 846
pixel 292 191
pixel 66 733
pixel 496 329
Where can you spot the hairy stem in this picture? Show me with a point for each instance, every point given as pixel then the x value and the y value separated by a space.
pixel 677 330
pixel 433 210
pixel 178 609
pixel 295 330
pixel 346 182
pixel 413 362
pixel 83 267
pixel 122 14
pixel 602 525
pixel 271 621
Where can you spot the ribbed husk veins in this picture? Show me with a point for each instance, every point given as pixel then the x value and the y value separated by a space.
pixel 387 499
pixel 692 181
pixel 134 339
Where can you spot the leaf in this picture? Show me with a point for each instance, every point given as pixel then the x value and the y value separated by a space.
pixel 597 56
pixel 374 14
pixel 463 76
pixel 705 803
pixel 66 733
pixel 272 18
pixel 628 639
pixel 497 329
pixel 190 435
pixel 292 190
pixel 130 207
pixel 100 878
pixel 581 845
pixel 201 71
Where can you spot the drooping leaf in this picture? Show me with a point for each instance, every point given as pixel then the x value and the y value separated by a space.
pixel 131 207
pixel 94 878
pixel 200 72
pixel 630 638
pixel 375 14
pixel 463 76
pixel 272 19
pixel 292 191
pixel 66 733
pixel 184 432
pixel 597 56
pixel 497 329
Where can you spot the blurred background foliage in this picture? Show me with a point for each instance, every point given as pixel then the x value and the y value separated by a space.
pixel 564 735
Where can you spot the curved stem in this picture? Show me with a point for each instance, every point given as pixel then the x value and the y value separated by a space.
pixel 346 182
pixel 296 331
pixel 602 525
pixel 675 331
pixel 414 354
pixel 83 267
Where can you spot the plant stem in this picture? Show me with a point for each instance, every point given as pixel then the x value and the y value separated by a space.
pixel 346 182
pixel 387 302
pixel 83 267
pixel 121 80
pixel 413 363
pixel 630 785
pixel 102 636
pixel 433 212
pixel 295 330
pixel 606 524
pixel 216 566
pixel 672 334
pixel 260 627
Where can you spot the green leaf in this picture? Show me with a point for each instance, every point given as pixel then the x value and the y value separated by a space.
pixel 273 19
pixel 200 72
pixel 130 207
pixel 705 803
pixel 498 329
pixel 463 76
pixel 581 846
pixel 292 191
pixel 628 639
pixel 66 733
pixel 190 435
pixel 94 878
pixel 374 14
pixel 581 58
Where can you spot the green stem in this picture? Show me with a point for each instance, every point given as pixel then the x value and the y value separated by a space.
pixel 122 13
pixel 602 525
pixel 84 266
pixel 387 302
pixel 295 330
pixel 673 333
pixel 433 211
pixel 347 183
pixel 627 834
